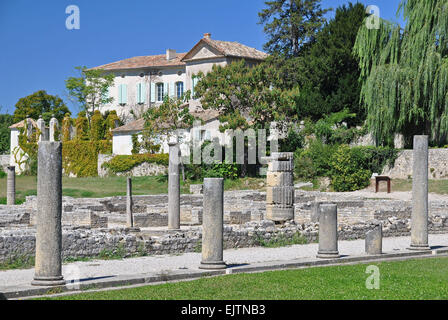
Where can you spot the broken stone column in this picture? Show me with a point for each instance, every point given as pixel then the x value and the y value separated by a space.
pixel 129 215
pixel 374 240
pixel 328 231
pixel 48 268
pixel 213 224
pixel 280 187
pixel 11 186
pixel 419 217
pixel 174 185
pixel 54 126
pixel 41 127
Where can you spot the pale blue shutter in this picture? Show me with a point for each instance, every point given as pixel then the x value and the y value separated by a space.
pixel 143 92
pixel 165 89
pixel 194 81
pixel 139 93
pixel 125 93
pixel 120 93
pixel 172 90
pixel 153 92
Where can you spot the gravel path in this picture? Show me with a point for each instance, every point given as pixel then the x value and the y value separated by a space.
pixel 141 265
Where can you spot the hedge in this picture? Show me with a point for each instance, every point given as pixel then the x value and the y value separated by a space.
pixel 80 157
pixel 124 163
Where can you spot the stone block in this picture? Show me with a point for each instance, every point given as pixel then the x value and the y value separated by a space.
pixel 280 195
pixel 282 156
pixel 279 213
pixel 277 179
pixel 281 166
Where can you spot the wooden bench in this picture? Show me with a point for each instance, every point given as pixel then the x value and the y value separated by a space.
pixel 382 178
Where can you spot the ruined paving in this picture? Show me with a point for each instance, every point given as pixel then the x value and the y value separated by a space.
pixel 108 270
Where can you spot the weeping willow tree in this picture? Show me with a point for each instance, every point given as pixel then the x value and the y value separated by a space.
pixel 404 73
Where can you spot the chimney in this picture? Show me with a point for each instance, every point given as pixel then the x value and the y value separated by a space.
pixel 170 54
pixel 207 35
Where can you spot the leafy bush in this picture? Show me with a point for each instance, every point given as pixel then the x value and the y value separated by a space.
pixel 97 126
pixel 347 173
pixel 124 163
pixel 351 168
pixel 314 161
pixel 81 157
pixel 2 173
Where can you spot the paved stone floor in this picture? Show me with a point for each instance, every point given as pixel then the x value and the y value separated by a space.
pixel 110 269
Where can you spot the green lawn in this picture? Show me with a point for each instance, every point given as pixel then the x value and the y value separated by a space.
pixel 411 279
pixel 114 186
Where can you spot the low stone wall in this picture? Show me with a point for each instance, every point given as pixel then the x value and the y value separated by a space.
pixel 402 169
pixel 142 170
pixel 86 242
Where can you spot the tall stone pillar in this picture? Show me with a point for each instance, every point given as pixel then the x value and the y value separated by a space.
pixel 11 186
pixel 419 218
pixel 280 187
pixel 48 268
pixel 328 231
pixel 129 214
pixel 213 224
pixel 54 126
pixel 41 127
pixel 174 185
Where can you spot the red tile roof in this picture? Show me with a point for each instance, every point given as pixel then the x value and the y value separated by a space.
pixel 230 49
pixel 226 48
pixel 143 62
pixel 21 124
pixel 138 125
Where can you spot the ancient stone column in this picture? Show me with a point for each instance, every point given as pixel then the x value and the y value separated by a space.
pixel 11 186
pixel 419 218
pixel 41 127
pixel 48 268
pixel 328 231
pixel 280 187
pixel 374 240
pixel 174 185
pixel 129 215
pixel 213 224
pixel 54 126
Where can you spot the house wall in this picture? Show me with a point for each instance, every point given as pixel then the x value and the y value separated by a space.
pixel 16 152
pixel 132 78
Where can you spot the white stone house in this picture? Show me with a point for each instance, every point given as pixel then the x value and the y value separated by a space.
pixel 143 82
pixel 17 155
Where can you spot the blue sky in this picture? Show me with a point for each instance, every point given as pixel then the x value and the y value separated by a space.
pixel 38 52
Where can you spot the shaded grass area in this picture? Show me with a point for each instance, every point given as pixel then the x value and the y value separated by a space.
pixel 95 187
pixel 435 186
pixel 411 279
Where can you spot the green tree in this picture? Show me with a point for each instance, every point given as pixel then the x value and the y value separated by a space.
pixel 40 103
pixel 404 73
pixel 5 136
pixel 327 74
pixel 291 24
pixel 245 96
pixel 173 114
pixel 90 89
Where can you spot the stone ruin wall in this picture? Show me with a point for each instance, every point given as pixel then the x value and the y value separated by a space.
pixel 94 225
pixel 437 165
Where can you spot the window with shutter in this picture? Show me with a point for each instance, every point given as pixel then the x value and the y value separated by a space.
pixel 153 92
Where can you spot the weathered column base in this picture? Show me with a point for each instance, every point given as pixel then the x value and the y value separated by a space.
pixel 422 247
pixel 48 281
pixel 212 265
pixel 374 240
pixel 328 254
pixel 279 213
